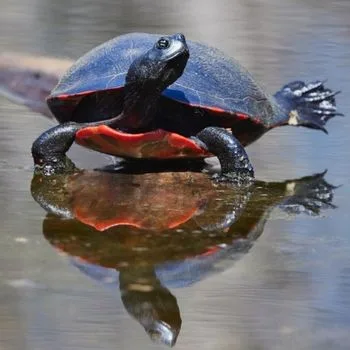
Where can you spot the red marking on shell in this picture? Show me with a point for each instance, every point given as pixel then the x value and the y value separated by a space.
pixel 103 225
pixel 210 251
pixel 77 96
pixel 182 219
pixel 215 109
pixel 242 116
pixel 155 144
pixel 218 110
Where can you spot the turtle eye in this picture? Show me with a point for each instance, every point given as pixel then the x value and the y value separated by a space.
pixel 163 43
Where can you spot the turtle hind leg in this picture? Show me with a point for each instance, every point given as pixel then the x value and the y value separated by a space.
pixel 234 161
pixel 50 148
pixel 310 105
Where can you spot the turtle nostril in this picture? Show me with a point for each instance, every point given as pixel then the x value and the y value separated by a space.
pixel 180 36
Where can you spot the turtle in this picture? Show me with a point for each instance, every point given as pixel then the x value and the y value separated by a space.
pixel 146 96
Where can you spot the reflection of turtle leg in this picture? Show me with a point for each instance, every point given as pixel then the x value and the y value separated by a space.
pixel 309 195
pixel 49 149
pixel 234 161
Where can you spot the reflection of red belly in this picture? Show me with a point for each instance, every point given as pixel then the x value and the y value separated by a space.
pixel 144 201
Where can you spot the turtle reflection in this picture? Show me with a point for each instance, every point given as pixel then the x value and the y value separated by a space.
pixel 150 232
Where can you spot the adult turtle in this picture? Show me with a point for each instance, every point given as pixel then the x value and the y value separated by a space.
pixel 129 97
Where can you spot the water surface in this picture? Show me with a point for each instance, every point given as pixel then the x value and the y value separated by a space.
pixel 287 289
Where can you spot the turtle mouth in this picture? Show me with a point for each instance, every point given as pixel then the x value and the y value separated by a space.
pixel 180 57
pixel 185 53
pixel 176 66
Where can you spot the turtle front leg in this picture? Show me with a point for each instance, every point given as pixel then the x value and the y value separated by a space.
pixel 49 149
pixel 234 161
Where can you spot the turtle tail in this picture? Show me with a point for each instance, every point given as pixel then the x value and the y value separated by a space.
pixel 310 105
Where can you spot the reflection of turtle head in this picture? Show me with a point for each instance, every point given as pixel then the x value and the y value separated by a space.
pixel 151 304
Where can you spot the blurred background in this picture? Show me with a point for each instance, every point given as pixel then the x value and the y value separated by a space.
pixel 292 290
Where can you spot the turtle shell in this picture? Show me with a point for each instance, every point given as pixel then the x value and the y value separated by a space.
pixel 211 80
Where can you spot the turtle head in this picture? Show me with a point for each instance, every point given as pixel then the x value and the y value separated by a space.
pixel 149 75
pixel 161 65
pixel 170 53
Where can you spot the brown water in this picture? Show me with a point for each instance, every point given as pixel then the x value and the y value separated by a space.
pixel 266 282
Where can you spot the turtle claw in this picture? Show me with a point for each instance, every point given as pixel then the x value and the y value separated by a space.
pixel 55 166
pixel 320 96
pixel 310 105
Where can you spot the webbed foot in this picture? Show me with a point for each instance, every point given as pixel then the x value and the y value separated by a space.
pixel 308 104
